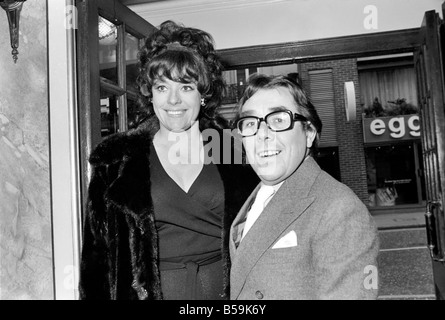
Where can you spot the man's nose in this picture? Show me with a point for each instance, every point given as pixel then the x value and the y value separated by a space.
pixel 264 131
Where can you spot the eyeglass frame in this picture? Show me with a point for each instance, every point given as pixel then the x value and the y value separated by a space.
pixel 294 117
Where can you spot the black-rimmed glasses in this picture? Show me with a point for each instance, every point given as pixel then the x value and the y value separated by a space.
pixel 276 121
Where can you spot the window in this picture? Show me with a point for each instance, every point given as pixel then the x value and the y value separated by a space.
pixel 391 172
pixel 328 159
pixel 321 91
pixel 388 86
pixel 236 82
pixel 108 39
pixel 118 51
pixel 389 96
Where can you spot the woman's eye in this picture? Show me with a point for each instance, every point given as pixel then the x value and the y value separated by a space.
pixel 161 88
pixel 188 88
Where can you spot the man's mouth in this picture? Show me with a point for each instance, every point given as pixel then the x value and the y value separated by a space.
pixel 269 153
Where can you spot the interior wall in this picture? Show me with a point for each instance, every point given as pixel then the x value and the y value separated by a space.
pixel 26 270
pixel 235 23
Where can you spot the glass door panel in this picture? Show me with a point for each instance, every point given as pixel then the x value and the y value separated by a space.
pixel 109 112
pixel 108 50
pixel 131 60
pixel 391 172
pixel 134 112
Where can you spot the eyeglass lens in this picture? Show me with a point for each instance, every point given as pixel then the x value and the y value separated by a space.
pixel 276 121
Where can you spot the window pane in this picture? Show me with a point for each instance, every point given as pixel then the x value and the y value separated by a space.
pixel 131 60
pixel 389 91
pixel 236 83
pixel 328 160
pixel 290 70
pixel 322 93
pixel 109 113
pixel 135 114
pixel 391 173
pixel 107 49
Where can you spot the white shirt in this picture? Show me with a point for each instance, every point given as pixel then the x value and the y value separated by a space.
pixel 263 196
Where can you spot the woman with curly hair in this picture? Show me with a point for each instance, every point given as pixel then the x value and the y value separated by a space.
pixel 159 203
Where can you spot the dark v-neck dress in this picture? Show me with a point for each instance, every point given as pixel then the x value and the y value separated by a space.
pixel 189 229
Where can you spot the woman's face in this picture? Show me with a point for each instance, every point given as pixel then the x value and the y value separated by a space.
pixel 176 104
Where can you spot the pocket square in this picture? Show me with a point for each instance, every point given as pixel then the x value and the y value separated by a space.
pixel 288 240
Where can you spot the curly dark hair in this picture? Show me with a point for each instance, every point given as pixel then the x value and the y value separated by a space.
pixel 185 55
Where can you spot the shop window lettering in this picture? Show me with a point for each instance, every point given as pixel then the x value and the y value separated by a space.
pixel 396 126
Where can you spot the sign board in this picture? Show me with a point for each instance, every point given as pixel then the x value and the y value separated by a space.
pixel 391 129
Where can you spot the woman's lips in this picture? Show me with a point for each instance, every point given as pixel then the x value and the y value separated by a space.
pixel 175 113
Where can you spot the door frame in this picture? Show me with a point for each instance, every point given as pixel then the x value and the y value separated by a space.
pixel 74 100
pixel 64 149
pixel 363 45
pixel 429 63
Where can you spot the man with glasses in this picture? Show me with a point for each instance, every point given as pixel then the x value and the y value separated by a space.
pixel 301 234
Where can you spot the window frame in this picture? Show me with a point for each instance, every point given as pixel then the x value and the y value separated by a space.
pixel 89 81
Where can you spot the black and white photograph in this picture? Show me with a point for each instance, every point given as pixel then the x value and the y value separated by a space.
pixel 222 155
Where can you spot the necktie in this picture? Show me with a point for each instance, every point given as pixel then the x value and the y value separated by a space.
pixel 262 196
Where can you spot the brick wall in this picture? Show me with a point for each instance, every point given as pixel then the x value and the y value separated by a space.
pixel 349 134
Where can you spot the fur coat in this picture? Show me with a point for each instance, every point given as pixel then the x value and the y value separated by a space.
pixel 119 257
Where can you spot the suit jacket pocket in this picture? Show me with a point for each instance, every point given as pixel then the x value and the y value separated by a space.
pixel 281 256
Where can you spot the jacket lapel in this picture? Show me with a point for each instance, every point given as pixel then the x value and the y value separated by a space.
pixel 291 200
pixel 234 230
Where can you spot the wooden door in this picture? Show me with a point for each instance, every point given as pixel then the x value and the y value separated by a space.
pixel 430 80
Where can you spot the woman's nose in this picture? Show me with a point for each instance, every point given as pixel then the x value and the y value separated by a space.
pixel 174 97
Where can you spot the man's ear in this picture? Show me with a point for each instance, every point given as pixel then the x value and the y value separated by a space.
pixel 311 133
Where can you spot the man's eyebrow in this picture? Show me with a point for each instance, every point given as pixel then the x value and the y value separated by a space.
pixel 278 108
pixel 271 109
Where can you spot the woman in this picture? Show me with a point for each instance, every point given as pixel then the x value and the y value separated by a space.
pixel 159 208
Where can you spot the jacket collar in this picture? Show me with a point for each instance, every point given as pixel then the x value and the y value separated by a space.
pixel 127 154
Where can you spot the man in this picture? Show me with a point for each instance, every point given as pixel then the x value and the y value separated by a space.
pixel 311 238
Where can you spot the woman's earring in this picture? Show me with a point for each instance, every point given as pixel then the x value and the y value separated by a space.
pixel 203 103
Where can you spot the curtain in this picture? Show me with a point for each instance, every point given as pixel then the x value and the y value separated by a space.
pixel 388 85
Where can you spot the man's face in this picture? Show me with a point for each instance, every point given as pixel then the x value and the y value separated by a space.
pixel 275 155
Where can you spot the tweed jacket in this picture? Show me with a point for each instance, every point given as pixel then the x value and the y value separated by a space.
pixel 120 240
pixel 328 247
